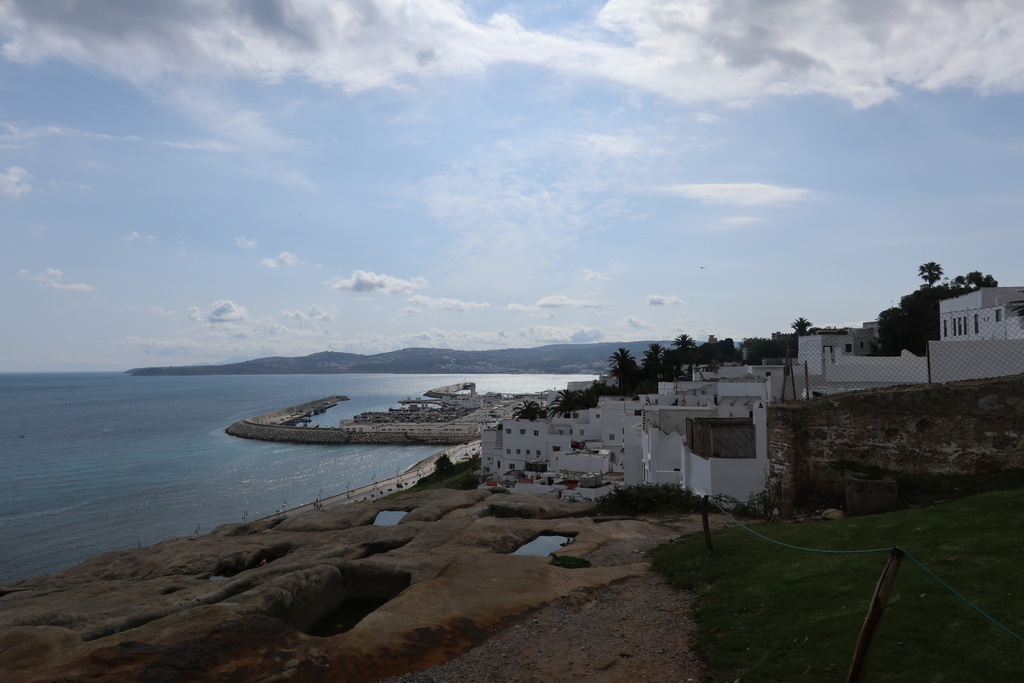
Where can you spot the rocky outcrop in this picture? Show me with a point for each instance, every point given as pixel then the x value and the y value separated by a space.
pixel 256 601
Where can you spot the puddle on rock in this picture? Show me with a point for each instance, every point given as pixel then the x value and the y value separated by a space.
pixel 543 545
pixel 389 517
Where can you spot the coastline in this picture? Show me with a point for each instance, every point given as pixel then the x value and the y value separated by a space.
pixel 389 485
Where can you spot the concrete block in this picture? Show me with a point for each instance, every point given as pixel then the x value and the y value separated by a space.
pixel 868 496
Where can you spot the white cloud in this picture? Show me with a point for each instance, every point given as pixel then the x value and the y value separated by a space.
pixel 313 314
pixel 52 277
pixel 222 311
pixel 740 194
pixel 135 236
pixel 664 300
pixel 284 259
pixel 364 281
pixel 633 322
pixel 562 301
pixel 594 276
pixel 686 50
pixel 15 181
pixel 445 304
pixel 570 334
pixel 247 242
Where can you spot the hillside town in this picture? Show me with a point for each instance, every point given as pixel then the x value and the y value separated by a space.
pixel 706 430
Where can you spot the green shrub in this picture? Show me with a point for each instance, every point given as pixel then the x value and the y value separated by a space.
pixel 648 499
pixel 569 562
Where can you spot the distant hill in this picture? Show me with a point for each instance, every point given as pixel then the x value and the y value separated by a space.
pixel 556 358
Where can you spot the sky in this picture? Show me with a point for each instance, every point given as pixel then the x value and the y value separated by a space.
pixel 192 181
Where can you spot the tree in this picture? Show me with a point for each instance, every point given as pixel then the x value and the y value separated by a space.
pixel 443 466
pixel 565 403
pixel 801 325
pixel 528 410
pixel 759 348
pixel 623 366
pixel 930 272
pixel 915 321
pixel 652 362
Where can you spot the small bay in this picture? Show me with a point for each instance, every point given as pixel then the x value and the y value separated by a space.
pixel 93 462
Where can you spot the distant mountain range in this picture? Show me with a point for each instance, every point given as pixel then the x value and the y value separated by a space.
pixel 556 358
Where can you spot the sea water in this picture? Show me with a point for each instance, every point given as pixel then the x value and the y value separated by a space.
pixel 93 462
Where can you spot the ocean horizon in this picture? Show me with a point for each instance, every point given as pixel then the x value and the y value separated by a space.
pixel 97 461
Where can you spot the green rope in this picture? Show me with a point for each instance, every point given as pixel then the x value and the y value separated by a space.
pixel 968 602
pixel 873 550
pixel 796 547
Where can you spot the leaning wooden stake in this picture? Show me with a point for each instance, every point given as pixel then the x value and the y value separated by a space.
pixel 878 601
pixel 704 517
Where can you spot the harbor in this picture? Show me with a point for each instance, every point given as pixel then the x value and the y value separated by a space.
pixel 447 417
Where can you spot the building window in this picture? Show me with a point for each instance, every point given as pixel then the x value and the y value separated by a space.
pixel 527 451
pixel 638 413
pixel 611 437
pixel 499 464
pixel 999 314
pixel 522 431
pixel 536 432
pixel 849 348
pixel 556 448
pixel 508 451
pixel 975 323
pixel 945 329
pixel 581 432
pixel 518 451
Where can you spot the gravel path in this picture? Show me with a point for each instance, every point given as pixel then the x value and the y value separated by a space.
pixel 639 629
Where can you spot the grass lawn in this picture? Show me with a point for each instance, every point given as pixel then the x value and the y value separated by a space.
pixel 771 613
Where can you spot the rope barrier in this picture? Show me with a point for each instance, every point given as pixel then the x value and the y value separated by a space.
pixel 871 550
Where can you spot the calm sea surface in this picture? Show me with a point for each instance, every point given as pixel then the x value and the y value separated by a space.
pixel 92 462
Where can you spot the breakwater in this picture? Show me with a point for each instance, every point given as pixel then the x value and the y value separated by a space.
pixel 279 426
pixel 247 429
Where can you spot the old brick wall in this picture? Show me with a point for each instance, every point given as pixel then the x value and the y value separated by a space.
pixel 970 427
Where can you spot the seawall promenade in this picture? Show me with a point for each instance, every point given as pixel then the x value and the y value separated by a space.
pixel 389 485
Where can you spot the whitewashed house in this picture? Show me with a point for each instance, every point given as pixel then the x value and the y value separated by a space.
pixel 709 436
pixel 980 335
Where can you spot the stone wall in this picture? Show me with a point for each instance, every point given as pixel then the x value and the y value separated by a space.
pixel 961 428
pixel 246 429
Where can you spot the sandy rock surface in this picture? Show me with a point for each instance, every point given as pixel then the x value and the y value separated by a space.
pixel 249 602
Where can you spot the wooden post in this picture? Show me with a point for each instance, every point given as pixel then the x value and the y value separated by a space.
pixel 704 518
pixel 858 667
pixel 807 383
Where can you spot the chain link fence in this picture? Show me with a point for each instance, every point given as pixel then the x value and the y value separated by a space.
pixel 970 343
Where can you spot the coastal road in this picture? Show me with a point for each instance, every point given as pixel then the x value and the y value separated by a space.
pixel 388 486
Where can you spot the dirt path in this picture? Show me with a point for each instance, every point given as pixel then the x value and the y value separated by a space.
pixel 640 629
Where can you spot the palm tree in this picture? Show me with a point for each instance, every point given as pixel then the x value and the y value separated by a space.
pixel 651 364
pixel 801 325
pixel 930 272
pixel 623 366
pixel 528 410
pixel 684 343
pixel 565 403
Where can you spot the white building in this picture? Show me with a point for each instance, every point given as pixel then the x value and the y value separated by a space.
pixel 982 314
pixel 603 440
pixel 980 336
pixel 709 436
